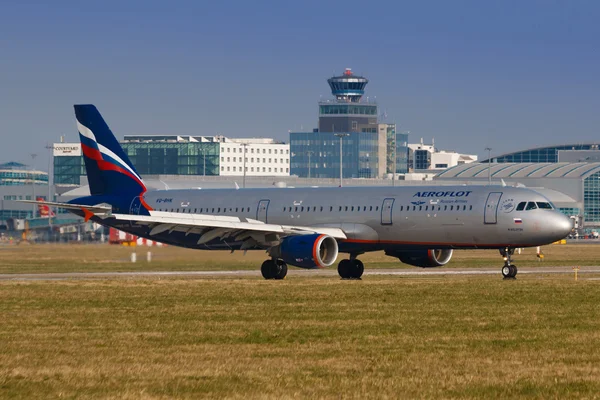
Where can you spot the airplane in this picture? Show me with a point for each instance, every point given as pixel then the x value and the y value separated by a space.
pixel 309 227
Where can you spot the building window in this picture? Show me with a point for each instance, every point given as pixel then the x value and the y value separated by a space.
pixel 264 151
pixel 228 159
pixel 222 159
pixel 234 149
pixel 269 169
pixel 233 169
pixel 222 168
pixel 228 169
pixel 264 169
pixel 234 158
pixel 269 151
pixel 229 149
pixel 251 169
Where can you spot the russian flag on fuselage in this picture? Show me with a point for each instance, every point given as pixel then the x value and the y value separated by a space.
pixel 109 170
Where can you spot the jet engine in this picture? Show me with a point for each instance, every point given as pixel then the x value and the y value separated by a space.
pixel 423 258
pixel 307 251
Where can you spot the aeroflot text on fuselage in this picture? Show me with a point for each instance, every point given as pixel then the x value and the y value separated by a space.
pixel 461 193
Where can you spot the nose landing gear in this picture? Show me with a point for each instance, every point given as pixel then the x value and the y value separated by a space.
pixel 509 270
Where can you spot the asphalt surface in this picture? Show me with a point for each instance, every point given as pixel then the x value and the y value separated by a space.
pixel 293 272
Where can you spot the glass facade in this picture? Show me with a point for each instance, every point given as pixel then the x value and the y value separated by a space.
pixel 322 149
pixel 68 170
pixel 591 198
pixel 397 145
pixel 348 109
pixel 157 158
pixel 422 159
pixel 539 155
pixel 194 158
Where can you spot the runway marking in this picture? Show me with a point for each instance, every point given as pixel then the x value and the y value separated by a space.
pixel 295 272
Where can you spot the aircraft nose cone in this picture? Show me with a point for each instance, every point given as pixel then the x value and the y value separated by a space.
pixel 562 225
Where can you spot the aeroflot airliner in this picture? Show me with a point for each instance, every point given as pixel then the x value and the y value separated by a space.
pixel 308 227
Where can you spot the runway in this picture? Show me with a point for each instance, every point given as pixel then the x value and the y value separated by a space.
pixel 292 273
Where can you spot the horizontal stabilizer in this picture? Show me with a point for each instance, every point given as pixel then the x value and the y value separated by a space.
pixel 97 209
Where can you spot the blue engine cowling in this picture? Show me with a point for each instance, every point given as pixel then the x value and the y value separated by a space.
pixel 308 251
pixel 423 258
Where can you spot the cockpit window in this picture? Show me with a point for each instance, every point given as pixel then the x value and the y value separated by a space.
pixel 543 205
pixel 531 206
pixel 521 206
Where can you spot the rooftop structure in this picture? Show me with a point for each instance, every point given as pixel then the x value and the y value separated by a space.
pixel 565 152
pixel 348 88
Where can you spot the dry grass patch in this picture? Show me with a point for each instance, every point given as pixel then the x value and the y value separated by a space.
pixel 458 337
pixel 108 258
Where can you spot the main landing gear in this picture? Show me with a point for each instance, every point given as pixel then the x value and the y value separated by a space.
pixel 351 269
pixel 509 270
pixel 274 269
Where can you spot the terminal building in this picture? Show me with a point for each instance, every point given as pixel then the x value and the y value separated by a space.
pixel 349 132
pixel 423 157
pixel 184 156
pixel 574 188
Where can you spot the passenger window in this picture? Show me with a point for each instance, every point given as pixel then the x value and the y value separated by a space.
pixel 213 210
pixel 420 208
pixel 296 209
pixel 314 208
pixel 451 208
pixel 330 208
pixel 352 208
pixel 401 207
pixel 464 208
pixel 470 207
pixel 346 208
pixel 414 208
pixel 521 206
pixel 530 206
pixel 377 208
pixel 365 208
pixel 340 208
pixel 544 205
pixel 370 208
pixel 321 208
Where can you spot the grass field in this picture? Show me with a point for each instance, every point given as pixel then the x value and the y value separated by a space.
pixel 305 337
pixel 106 258
pixel 383 337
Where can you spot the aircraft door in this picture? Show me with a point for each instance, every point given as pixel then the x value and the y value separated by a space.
pixel 261 211
pixel 491 208
pixel 386 211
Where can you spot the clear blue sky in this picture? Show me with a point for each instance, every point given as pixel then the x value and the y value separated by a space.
pixel 504 74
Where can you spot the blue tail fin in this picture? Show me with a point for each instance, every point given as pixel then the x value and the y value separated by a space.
pixel 108 168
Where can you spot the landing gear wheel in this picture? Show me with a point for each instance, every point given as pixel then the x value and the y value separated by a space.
pixel 274 269
pixel 281 270
pixel 351 269
pixel 509 271
pixel 268 269
pixel 344 269
pixel 357 269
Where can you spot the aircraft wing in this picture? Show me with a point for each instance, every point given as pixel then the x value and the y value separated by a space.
pixel 211 227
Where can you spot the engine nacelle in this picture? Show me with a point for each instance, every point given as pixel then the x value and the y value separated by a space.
pixel 307 251
pixel 424 258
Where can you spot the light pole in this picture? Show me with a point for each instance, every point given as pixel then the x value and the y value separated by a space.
pixel 341 136
pixel 33 156
pixel 244 146
pixel 489 150
pixel 310 153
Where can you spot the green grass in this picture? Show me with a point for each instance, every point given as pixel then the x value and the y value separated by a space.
pixel 305 337
pixel 107 258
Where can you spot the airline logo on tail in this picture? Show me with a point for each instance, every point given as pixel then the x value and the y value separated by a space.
pixel 104 157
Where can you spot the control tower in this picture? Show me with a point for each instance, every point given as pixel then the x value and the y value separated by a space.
pixel 348 112
pixel 348 88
